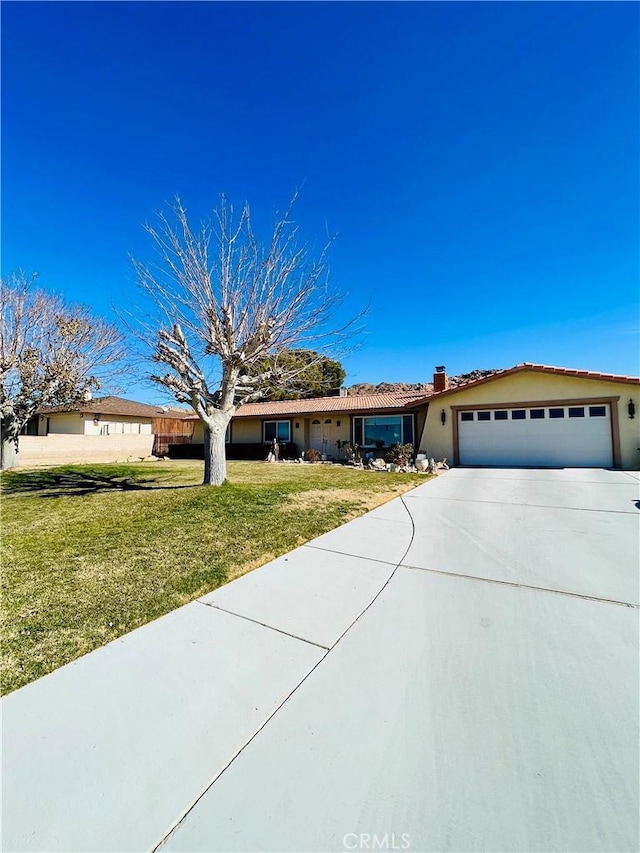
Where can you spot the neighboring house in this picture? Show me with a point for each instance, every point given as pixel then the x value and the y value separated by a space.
pixel 101 430
pixel 103 416
pixel 528 415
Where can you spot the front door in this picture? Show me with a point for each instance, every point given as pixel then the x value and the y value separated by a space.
pixel 315 435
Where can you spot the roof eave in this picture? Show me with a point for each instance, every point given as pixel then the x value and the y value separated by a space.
pixel 540 368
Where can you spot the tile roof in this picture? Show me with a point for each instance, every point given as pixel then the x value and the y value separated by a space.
pixel 392 400
pixel 363 402
pixel 570 371
pixel 118 406
pixel 535 368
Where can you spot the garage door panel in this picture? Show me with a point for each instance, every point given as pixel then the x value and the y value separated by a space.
pixel 544 441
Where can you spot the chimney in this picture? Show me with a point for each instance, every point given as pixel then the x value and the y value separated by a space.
pixel 440 381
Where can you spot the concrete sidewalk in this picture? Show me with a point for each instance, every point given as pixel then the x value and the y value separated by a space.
pixel 457 670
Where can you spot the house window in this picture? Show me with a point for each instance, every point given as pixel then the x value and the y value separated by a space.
pixel 597 411
pixel 383 430
pixel 536 414
pixel 277 429
pixel 576 411
pixel 518 414
pixel 407 429
pixel 500 416
pixel 484 416
pixel 466 416
pixel 556 413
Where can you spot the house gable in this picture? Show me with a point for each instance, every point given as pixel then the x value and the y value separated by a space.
pixel 537 386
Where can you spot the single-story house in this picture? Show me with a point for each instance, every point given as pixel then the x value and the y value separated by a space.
pixel 105 429
pixel 101 416
pixel 373 421
pixel 527 415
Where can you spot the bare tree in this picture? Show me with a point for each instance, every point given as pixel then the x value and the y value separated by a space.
pixel 51 354
pixel 225 306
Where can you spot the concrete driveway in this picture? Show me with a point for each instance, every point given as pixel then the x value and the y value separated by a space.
pixel 458 670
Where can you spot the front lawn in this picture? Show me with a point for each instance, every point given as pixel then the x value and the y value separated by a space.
pixel 90 552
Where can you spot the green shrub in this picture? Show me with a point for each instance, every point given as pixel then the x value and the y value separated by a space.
pixel 399 454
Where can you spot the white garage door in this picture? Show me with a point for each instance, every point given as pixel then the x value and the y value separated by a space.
pixel 555 436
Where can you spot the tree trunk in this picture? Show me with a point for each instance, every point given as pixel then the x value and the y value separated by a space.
pixel 8 454
pixel 215 460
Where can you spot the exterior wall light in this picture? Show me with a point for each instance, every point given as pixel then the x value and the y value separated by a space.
pixel 632 409
pixel 443 417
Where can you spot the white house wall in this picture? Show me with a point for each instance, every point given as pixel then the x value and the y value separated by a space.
pixel 62 423
pixel 81 423
pixel 117 425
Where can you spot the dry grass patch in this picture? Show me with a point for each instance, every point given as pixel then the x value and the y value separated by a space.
pixel 356 502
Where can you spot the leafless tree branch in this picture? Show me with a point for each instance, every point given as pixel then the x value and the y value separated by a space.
pixel 50 354
pixel 218 293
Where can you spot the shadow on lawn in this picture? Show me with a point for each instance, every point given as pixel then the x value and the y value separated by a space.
pixel 56 483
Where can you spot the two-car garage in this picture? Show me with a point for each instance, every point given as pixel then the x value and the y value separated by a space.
pixel 539 435
pixel 534 415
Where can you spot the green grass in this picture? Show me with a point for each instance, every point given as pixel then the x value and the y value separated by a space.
pixel 90 552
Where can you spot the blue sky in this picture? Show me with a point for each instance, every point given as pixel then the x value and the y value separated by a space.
pixel 478 161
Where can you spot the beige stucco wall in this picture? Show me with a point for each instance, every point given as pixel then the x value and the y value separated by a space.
pixel 64 449
pixel 246 430
pixel 249 430
pixel 198 433
pixel 529 386
pixel 299 433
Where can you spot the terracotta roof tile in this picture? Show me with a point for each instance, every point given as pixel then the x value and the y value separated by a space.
pixel 118 406
pixel 362 402
pixel 538 368
pixel 570 371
